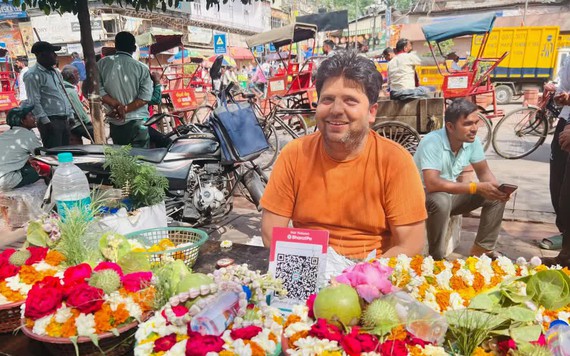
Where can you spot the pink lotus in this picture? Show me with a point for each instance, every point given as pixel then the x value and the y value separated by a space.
pixel 370 279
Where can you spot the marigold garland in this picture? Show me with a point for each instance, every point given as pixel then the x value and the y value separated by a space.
pixel 54 258
pixel 9 294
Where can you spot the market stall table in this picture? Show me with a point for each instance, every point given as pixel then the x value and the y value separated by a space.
pixel 255 256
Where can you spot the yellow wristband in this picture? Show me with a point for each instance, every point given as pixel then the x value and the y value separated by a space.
pixel 472 188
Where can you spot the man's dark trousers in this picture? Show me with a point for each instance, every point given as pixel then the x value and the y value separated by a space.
pixel 58 134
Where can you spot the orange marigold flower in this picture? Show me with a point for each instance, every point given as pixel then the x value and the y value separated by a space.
pixel 12 296
pixel 457 283
pixel 478 281
pixel 103 318
pixel 496 280
pixel 422 290
pixel 295 337
pixel 54 328
pixel 54 258
pixel 404 279
pixel 30 323
pixel 566 270
pixel 278 319
pixel 291 319
pixel 456 267
pixel 442 299
pixel 416 264
pixel 497 268
pixel 439 266
pixel 120 315
pixel 68 329
pixel 273 338
pixel 415 350
pixel 226 353
pixel 256 350
pixel 481 352
pixel 540 268
pixel 144 298
pixel 30 275
pixel 398 333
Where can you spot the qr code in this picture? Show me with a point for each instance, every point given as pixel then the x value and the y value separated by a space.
pixel 299 275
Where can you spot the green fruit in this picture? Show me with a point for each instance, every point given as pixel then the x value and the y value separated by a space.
pixel 108 280
pixel 338 304
pixel 381 316
pixel 193 280
pixel 20 257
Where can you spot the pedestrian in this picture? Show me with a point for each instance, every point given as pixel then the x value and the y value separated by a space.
pixel 82 126
pixel 388 54
pixel 45 91
pixel 126 89
pixel 78 63
pixel 329 48
pixel 22 65
pixel 16 147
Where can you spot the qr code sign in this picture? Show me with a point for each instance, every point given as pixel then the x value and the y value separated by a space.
pixel 298 273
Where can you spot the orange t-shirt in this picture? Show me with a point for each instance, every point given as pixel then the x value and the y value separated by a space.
pixel 355 200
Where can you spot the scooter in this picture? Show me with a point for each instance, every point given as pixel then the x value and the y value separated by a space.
pixel 200 187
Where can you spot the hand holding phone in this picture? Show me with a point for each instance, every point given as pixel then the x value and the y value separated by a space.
pixel 508 188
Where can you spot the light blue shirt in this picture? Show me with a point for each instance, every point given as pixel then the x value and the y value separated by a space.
pixel 126 79
pixel 434 152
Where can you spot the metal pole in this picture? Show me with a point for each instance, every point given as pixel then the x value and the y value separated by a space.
pixel 524 13
pixel 374 30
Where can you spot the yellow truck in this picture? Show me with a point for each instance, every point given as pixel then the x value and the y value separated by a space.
pixel 532 59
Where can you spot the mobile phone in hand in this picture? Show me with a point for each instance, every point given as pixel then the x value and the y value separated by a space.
pixel 508 188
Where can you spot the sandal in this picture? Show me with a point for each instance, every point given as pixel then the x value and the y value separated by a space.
pixel 551 243
pixel 494 254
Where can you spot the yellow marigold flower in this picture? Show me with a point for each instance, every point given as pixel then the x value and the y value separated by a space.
pixel 392 262
pixel 398 333
pixel 291 319
pixel 256 350
pixel 180 337
pixel 439 266
pixel 226 353
pixel 54 258
pixel 332 353
pixel 415 350
pixel 540 268
pixel 54 328
pixel 9 294
pixel 278 319
pixel 480 352
pixel 471 263
pixel 165 244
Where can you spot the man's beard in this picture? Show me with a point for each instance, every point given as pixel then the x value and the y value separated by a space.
pixel 352 138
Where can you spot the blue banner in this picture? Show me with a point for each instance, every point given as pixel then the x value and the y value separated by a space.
pixel 9 11
pixel 220 44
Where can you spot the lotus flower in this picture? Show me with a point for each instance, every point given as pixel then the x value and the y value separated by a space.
pixel 370 279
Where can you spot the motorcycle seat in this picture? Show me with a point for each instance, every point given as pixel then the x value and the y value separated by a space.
pixel 154 155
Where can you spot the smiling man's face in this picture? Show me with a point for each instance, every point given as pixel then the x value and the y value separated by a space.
pixel 344 113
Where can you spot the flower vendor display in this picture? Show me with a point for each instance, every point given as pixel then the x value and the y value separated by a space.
pixel 85 305
pixel 19 270
pixel 247 326
pixel 418 306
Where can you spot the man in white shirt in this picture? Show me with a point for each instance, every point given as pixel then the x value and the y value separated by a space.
pixel 402 73
pixel 22 64
pixel 560 168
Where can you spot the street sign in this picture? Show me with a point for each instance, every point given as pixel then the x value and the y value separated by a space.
pixel 259 49
pixel 220 44
pixel 271 47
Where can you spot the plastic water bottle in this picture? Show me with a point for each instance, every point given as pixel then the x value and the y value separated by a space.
pixel 558 338
pixel 216 316
pixel 70 185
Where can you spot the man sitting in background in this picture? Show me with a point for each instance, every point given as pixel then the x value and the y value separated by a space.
pixel 82 126
pixel 441 156
pixel 16 147
pixel 402 73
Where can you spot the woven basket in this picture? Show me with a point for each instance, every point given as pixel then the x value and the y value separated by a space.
pixel 10 316
pixel 187 240
pixel 110 344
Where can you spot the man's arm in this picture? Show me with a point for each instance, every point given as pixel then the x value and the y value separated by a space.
pixel 407 239
pixel 488 189
pixel 270 220
pixel 34 97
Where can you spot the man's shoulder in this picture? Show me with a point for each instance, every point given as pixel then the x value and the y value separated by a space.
pixel 386 145
pixel 433 141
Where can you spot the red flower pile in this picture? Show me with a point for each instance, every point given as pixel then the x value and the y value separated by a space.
pixel 7 269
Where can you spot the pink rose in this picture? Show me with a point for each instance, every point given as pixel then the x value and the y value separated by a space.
pixel 370 279
pixel 133 282
pixel 310 303
pixel 76 275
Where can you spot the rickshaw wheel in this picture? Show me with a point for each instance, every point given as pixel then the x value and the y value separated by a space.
pixel 400 133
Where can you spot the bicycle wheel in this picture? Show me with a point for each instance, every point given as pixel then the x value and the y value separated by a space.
pixel 201 114
pixel 400 133
pixel 268 157
pixel 296 123
pixel 485 131
pixel 519 133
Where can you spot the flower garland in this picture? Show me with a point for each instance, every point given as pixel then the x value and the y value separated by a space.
pixel 20 269
pixel 87 302
pixel 256 328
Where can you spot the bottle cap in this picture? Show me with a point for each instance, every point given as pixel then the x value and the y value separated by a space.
pixel 65 157
pixel 558 322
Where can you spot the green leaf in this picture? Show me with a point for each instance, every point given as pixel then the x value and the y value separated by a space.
pixel 36 234
pixel 526 333
pixel 473 319
pixel 115 332
pixel 484 302
pixel 550 289
pixel 517 313
pixel 134 262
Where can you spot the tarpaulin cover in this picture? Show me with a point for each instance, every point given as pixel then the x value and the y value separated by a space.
pixel 328 21
pixel 283 36
pixel 461 26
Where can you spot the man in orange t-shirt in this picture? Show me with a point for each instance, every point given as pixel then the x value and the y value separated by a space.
pixel 364 189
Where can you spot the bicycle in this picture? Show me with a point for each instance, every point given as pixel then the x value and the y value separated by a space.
pixel 524 130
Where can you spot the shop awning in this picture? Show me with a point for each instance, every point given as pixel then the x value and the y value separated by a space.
pixel 240 53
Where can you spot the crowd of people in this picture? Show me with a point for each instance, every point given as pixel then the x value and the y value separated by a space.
pixel 398 204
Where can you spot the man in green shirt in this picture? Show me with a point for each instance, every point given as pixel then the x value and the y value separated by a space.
pixel 70 76
pixel 126 89
pixel 16 147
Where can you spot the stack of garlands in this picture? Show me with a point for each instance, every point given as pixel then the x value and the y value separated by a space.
pixel 256 329
pixel 87 302
pixel 20 269
pixel 351 317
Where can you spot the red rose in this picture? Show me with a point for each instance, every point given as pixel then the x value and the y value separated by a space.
pixel 351 345
pixel 178 310
pixel 310 302
pixel 414 341
pixel 246 333
pixel 164 343
pixel 394 348
pixel 368 343
pixel 37 254
pixel 133 282
pixel 44 298
pixel 109 265
pixel 506 345
pixel 323 330
pixel 85 298
pixel 5 255
pixel 8 270
pixel 199 345
pixel 76 275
